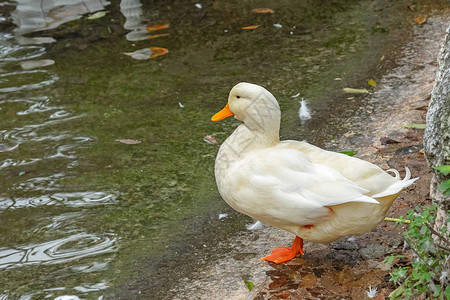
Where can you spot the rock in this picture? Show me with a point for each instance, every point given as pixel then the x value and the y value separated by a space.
pixel 374 251
pixel 345 245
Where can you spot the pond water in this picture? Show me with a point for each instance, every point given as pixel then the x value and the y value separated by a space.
pixel 106 179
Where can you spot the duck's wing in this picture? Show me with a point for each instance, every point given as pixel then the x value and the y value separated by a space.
pixel 361 172
pixel 284 184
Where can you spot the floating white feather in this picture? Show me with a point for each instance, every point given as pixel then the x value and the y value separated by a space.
pixel 221 216
pixel 255 226
pixel 304 112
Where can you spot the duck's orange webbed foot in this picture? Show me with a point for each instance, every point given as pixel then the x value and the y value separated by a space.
pixel 284 254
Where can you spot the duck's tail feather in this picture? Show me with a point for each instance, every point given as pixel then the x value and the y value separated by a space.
pixel 398 186
pixel 397 174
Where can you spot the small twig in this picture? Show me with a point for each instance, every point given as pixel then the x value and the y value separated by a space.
pixel 397 220
pixel 444 248
pixel 437 233
pixel 419 256
pixel 446 260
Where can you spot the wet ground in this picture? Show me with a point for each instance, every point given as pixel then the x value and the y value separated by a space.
pixel 107 184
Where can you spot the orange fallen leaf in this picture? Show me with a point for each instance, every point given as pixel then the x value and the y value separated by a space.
pixel 157 27
pixel 263 11
pixel 251 27
pixel 420 20
pixel 156 36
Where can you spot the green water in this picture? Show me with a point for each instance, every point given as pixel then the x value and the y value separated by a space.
pixel 83 214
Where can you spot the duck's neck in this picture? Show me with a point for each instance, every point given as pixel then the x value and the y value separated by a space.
pixel 242 141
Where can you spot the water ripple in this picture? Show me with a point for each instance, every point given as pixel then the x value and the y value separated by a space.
pixel 40 183
pixel 59 222
pixel 9 162
pixel 77 199
pixel 35 105
pixel 27 76
pixel 9 52
pixel 58 251
pixel 66 150
pixel 28 132
pixel 88 287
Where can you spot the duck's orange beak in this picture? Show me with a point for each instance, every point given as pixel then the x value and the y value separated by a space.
pixel 224 113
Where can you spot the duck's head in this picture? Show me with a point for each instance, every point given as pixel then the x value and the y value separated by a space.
pixel 253 105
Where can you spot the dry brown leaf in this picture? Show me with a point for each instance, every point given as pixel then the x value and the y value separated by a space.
pixel 128 141
pixel 210 139
pixel 420 20
pixel 380 296
pixel 277 283
pixel 309 280
pixel 387 140
pixel 251 27
pixel 263 11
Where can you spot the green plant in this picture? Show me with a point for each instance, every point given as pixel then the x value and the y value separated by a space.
pixel 429 270
pixel 249 284
pixel 445 185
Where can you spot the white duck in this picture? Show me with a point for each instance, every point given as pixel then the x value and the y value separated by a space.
pixel 315 194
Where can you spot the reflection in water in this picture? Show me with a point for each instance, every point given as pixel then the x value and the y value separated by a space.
pixel 58 251
pixel 132 11
pixel 31 15
pixel 37 132
pixel 134 21
pixel 21 40
pixel 33 64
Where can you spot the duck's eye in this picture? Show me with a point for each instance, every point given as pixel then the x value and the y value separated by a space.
pixel 238 97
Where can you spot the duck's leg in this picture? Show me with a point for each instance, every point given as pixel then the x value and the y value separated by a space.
pixel 284 254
